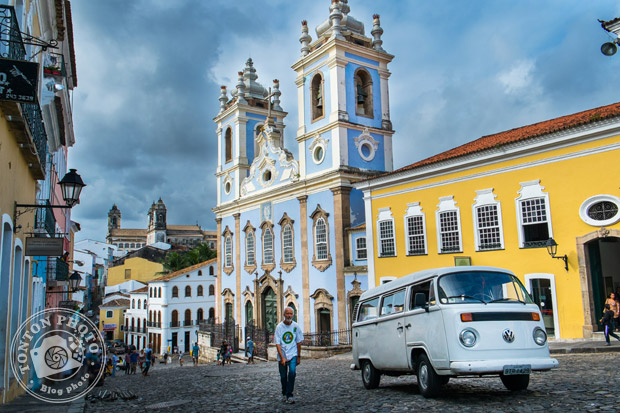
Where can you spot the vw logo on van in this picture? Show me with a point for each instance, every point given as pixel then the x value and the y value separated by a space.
pixel 508 336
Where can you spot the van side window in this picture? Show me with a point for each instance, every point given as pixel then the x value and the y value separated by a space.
pixel 393 303
pixel 369 310
pixel 424 288
pixel 431 295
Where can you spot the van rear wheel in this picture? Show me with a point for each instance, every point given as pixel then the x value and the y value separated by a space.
pixel 370 375
pixel 429 381
pixel 516 382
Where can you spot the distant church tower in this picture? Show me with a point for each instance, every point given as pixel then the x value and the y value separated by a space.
pixel 114 218
pixel 342 80
pixel 156 231
pixel 239 121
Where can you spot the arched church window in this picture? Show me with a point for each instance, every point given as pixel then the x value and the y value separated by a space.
pixel 287 244
pixel 228 144
pixel 228 251
pixel 268 246
pixel 363 93
pixel 321 259
pixel 317 96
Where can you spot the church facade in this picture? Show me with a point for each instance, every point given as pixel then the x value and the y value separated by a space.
pixel 291 230
pixel 158 230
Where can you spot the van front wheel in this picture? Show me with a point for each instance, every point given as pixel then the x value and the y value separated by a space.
pixel 370 375
pixel 429 381
pixel 516 382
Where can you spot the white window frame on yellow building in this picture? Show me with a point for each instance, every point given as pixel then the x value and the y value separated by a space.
pixel 531 190
pixel 385 215
pixel 414 210
pixel 448 204
pixel 486 198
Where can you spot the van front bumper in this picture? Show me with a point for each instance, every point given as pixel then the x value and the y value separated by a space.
pixel 497 366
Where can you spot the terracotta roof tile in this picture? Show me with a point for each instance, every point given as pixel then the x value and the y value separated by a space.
pixel 520 134
pixel 175 274
pixel 121 302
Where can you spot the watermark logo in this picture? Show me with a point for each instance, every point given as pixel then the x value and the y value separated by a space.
pixel 57 355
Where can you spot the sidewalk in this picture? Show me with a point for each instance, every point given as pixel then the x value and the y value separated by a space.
pixel 596 344
pixel 26 404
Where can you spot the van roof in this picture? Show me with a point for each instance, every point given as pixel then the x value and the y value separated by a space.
pixel 422 275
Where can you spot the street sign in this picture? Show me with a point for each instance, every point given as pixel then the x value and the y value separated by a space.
pixel 18 80
pixel 47 247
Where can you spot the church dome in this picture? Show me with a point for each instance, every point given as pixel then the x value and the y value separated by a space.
pixel 348 23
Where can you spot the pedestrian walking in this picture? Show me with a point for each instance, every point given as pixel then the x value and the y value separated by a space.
pixel 288 337
pixel 249 348
pixel 133 359
pixel 142 361
pixel 224 352
pixel 608 326
pixel 613 305
pixel 195 351
pixel 148 355
pixel 114 364
pixel 127 362
pixel 180 358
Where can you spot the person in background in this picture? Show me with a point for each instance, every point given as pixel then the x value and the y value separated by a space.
pixel 613 305
pixel 607 322
pixel 224 352
pixel 249 348
pixel 127 361
pixel 148 359
pixel 195 351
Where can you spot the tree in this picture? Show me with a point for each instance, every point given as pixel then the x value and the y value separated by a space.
pixel 175 261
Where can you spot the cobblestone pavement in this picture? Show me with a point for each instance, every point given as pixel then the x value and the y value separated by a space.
pixel 583 382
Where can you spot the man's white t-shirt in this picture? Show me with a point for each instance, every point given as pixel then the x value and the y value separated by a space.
pixel 287 336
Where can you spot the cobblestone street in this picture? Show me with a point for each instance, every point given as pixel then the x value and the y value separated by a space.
pixel 583 382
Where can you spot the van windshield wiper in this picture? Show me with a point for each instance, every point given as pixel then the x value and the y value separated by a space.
pixel 507 299
pixel 467 296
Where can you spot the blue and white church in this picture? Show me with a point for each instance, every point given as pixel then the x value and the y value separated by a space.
pixel 292 231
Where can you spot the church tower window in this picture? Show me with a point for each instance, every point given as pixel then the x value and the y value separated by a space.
pixel 363 93
pixel 228 144
pixel 317 97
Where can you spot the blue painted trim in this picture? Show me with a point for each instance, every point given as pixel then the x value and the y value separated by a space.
pixel 255 116
pixel 361 59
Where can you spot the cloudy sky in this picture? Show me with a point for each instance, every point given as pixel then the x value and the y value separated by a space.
pixel 149 73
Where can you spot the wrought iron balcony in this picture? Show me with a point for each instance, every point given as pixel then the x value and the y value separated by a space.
pixel 45 220
pixel 18 114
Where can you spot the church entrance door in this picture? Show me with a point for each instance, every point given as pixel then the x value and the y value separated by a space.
pixel 270 309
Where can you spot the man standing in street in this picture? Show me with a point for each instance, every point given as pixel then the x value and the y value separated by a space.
pixel 148 358
pixel 195 351
pixel 288 337
pixel 249 348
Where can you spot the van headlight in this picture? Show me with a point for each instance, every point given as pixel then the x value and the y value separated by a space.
pixel 468 338
pixel 540 337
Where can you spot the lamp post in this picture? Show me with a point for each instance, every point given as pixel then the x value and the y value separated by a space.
pixel 552 249
pixel 71 186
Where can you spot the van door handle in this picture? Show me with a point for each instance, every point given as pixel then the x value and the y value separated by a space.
pixel 408 325
pixel 400 327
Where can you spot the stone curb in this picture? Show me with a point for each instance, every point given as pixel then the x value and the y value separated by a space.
pixel 578 350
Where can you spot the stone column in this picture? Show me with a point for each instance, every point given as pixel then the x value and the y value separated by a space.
pixel 305 265
pixel 342 220
pixel 218 279
pixel 238 265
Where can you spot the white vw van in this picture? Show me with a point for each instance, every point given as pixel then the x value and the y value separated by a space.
pixel 450 322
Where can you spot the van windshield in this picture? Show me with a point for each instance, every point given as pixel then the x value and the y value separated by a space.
pixel 481 287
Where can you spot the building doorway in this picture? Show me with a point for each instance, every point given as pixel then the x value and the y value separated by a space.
pixel 325 318
pixel 188 341
pixel 541 288
pixel 175 342
pixel 604 261
pixel 270 309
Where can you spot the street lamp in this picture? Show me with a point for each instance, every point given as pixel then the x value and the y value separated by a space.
pixel 552 249
pixel 71 187
pixel 612 26
pixel 74 284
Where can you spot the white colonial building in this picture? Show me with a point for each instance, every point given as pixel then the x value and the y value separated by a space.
pixel 176 303
pixel 136 318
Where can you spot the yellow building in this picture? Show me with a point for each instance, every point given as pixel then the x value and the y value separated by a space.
pixel 143 265
pixel 111 318
pixel 498 200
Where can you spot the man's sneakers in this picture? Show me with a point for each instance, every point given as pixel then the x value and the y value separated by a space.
pixel 289 400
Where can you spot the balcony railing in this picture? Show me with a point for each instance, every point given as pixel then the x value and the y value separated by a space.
pixel 58 268
pixel 12 47
pixel 45 220
pixel 174 324
pixel 187 323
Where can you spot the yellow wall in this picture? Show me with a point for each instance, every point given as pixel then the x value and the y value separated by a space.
pixel 117 318
pixel 568 182
pixel 141 270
